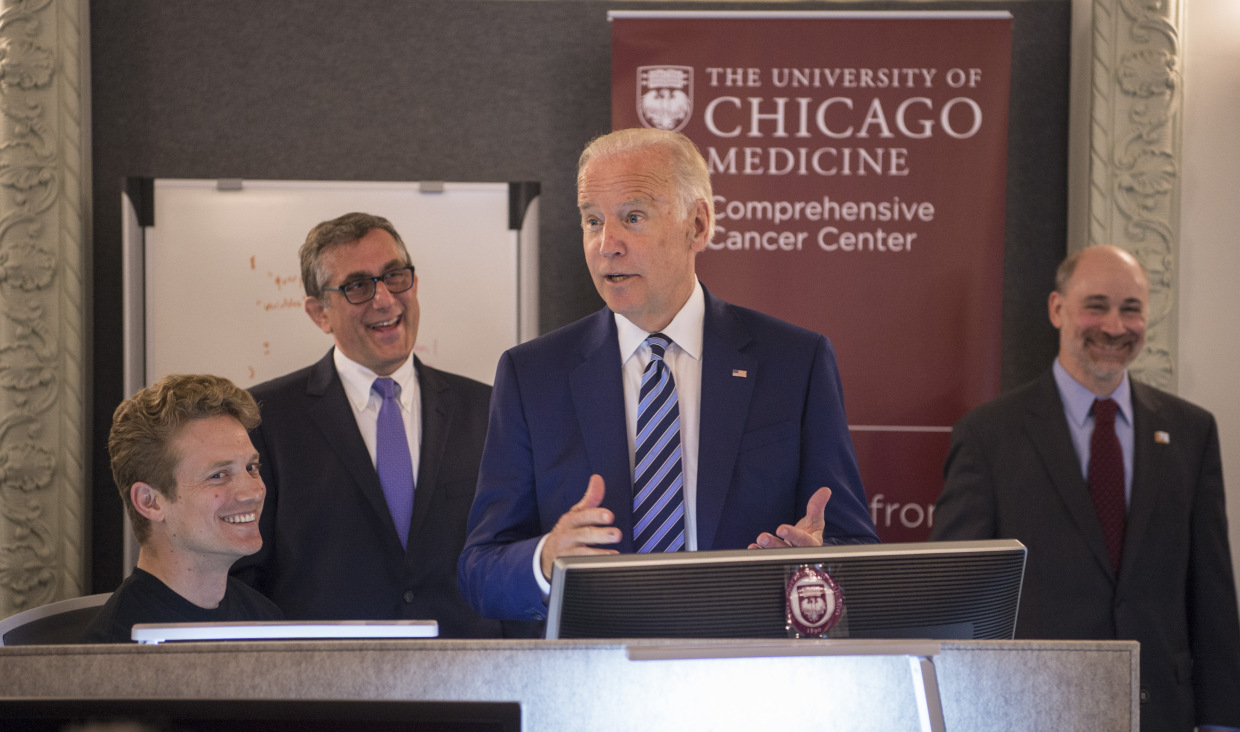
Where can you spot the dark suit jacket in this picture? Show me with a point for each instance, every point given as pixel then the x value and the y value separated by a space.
pixel 1012 472
pixel 330 549
pixel 773 431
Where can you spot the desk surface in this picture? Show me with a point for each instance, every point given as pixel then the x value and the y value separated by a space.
pixel 605 685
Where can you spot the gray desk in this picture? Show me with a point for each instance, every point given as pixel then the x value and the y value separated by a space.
pixel 606 685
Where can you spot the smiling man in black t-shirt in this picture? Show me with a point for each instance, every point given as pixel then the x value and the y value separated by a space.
pixel 189 477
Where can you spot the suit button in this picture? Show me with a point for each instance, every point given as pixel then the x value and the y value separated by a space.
pixel 408 596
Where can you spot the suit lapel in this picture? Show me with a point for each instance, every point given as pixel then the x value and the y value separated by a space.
pixel 1148 466
pixel 1047 428
pixel 436 425
pixel 724 408
pixel 331 414
pixel 597 389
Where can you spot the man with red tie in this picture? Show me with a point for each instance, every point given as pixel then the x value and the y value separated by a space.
pixel 1116 488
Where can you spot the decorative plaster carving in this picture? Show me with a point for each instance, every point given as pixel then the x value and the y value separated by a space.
pixel 42 476
pixel 1135 156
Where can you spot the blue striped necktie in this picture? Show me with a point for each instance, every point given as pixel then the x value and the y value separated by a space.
pixel 658 480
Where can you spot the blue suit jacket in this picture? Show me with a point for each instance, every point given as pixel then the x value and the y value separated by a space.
pixel 773 431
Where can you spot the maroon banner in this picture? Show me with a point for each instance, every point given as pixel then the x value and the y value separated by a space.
pixel 859 166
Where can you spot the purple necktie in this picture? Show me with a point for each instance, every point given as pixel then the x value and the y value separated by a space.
pixel 658 481
pixel 1106 478
pixel 392 457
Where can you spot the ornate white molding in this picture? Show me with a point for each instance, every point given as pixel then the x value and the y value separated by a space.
pixel 43 159
pixel 1136 87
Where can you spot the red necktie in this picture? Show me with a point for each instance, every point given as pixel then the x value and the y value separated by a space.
pixel 1106 478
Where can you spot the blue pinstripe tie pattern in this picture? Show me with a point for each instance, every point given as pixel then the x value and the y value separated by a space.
pixel 658 480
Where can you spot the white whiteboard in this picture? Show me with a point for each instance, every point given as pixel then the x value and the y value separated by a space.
pixel 215 286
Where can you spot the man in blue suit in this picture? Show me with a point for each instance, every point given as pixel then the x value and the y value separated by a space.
pixel 755 436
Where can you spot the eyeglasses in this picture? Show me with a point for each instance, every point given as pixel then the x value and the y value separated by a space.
pixel 363 289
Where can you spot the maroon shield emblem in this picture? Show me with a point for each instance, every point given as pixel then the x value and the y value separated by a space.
pixel 814 602
pixel 664 96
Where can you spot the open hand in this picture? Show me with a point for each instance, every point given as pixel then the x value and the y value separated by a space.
pixel 806 532
pixel 584 525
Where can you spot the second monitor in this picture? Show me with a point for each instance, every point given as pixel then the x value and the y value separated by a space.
pixel 967 590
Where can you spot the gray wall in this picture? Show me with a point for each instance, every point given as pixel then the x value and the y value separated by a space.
pixel 487 90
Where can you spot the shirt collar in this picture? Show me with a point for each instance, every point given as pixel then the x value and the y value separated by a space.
pixel 1079 401
pixel 357 380
pixel 685 330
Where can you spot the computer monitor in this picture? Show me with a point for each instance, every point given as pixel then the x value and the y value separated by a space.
pixel 938 590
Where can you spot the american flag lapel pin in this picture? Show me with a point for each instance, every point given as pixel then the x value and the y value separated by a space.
pixel 1162 438
pixel 740 373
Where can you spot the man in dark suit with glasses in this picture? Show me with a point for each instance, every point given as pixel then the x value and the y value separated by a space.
pixel 370 456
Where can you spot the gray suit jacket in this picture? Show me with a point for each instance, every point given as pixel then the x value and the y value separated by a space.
pixel 1012 472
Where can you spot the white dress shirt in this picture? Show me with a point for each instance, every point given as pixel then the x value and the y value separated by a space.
pixel 684 358
pixel 357 380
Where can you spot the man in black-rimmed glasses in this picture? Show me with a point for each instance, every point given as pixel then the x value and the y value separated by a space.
pixel 370 456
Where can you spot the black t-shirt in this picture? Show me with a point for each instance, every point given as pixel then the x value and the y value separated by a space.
pixel 143 598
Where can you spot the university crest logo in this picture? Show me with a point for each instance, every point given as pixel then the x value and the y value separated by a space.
pixel 665 96
pixel 813 601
